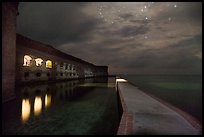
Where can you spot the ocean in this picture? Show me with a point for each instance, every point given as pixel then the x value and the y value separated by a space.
pixel 181 91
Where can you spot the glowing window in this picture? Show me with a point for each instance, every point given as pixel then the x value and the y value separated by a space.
pixel 27 60
pixel 38 62
pixel 48 64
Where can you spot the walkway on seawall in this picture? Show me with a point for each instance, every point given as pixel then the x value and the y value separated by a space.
pixel 144 115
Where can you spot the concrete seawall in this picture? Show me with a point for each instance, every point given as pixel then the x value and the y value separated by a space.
pixel 145 115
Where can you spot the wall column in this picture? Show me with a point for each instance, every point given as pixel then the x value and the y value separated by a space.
pixel 9 13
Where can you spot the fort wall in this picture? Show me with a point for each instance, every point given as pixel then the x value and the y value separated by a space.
pixel 64 66
pixel 9 13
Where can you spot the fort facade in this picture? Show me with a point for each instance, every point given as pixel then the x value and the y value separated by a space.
pixel 37 61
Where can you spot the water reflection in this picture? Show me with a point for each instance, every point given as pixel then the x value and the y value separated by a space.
pixel 42 108
pixel 25 112
pixel 47 100
pixel 37 105
pixel 42 97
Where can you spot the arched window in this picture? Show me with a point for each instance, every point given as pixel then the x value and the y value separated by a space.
pixel 27 60
pixel 38 62
pixel 71 67
pixel 66 66
pixel 48 64
pixel 61 65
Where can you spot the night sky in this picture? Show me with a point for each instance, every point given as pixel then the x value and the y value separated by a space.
pixel 129 37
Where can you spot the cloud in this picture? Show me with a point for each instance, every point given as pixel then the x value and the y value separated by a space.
pixel 183 12
pixel 131 44
pixel 132 30
pixel 179 56
pixel 126 16
pixel 55 23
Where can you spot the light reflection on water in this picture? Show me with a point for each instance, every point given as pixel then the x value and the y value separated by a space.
pixel 37 105
pixel 40 97
pixel 25 112
pixel 47 100
pixel 43 103
pixel 26 106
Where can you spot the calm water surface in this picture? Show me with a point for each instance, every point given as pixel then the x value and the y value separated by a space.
pixel 182 91
pixel 73 107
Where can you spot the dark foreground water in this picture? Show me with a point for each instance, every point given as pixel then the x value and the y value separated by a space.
pixel 182 91
pixel 73 107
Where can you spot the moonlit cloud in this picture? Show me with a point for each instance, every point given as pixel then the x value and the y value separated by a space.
pixel 129 37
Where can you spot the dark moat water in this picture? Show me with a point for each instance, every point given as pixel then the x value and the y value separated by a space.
pixel 79 107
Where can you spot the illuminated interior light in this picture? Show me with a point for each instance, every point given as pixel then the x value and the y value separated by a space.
pixel 121 80
pixel 48 64
pixel 38 62
pixel 27 60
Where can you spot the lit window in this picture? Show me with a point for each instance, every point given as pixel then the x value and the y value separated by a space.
pixel 38 62
pixel 27 60
pixel 48 64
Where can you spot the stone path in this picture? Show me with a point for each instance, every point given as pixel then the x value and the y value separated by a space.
pixel 151 117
